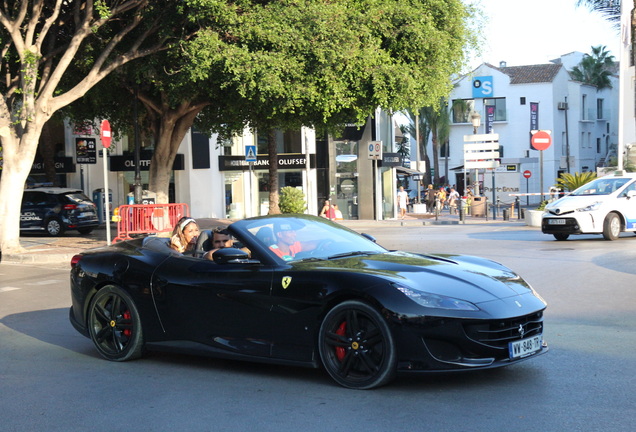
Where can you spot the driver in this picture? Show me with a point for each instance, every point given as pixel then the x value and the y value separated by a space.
pixel 286 246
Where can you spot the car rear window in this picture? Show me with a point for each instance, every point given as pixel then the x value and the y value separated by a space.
pixel 77 197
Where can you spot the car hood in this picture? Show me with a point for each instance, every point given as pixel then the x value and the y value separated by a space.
pixel 464 277
pixel 571 203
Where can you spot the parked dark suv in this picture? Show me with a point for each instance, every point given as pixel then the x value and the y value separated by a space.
pixel 56 210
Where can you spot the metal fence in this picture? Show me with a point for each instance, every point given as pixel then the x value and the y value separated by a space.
pixel 145 219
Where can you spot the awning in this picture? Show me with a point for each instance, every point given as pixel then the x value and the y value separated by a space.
pixel 457 168
pixel 408 171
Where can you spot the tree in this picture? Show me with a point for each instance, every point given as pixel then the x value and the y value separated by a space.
pixel 595 69
pixel 40 41
pixel 570 182
pixel 323 63
pixel 422 132
pixel 438 120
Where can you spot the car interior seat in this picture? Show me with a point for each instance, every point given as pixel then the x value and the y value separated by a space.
pixel 266 236
pixel 204 243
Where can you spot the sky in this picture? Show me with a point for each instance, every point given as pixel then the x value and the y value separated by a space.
pixel 525 32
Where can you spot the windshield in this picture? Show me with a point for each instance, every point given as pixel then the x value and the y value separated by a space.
pixel 295 238
pixel 601 186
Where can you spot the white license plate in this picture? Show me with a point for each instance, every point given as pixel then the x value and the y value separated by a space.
pixel 524 347
pixel 556 221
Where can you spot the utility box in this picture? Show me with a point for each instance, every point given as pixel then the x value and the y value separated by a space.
pixel 99 198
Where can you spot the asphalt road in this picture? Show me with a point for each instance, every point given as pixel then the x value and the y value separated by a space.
pixel 52 379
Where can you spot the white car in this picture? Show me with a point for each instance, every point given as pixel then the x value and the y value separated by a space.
pixel 606 205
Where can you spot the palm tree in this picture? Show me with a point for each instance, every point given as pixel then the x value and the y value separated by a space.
pixel 610 9
pixel 595 69
pixel 438 120
pixel 424 132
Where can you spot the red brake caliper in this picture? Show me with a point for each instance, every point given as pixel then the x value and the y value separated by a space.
pixel 340 351
pixel 127 317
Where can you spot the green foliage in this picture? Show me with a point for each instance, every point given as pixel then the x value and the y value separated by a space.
pixel 570 182
pixel 292 200
pixel 595 69
pixel 542 205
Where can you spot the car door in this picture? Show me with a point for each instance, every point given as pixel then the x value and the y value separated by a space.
pixel 224 306
pixel 33 210
pixel 629 206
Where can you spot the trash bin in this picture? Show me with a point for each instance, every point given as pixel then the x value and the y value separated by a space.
pixel 478 207
pixel 99 199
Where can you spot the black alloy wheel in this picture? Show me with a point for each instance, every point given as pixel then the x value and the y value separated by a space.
pixel 114 325
pixel 356 346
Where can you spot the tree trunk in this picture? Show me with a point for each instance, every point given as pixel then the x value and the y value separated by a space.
pixel 273 172
pixel 171 126
pixel 46 148
pixel 18 156
pixel 435 159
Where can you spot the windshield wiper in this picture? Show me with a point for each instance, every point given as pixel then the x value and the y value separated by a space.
pixel 351 254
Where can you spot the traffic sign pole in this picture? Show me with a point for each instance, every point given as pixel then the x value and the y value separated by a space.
pixel 106 139
pixel 541 140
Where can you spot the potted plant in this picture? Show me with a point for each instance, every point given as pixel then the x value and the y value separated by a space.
pixel 533 217
pixel 292 200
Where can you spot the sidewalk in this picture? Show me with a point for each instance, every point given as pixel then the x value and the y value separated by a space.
pixel 59 250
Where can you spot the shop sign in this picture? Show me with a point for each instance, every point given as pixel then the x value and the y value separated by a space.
pixel 126 162
pixel 391 160
pixel 63 165
pixel 285 161
pixel 85 150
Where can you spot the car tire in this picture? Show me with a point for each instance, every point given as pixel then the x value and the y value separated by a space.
pixel 114 325
pixel 356 346
pixel 54 227
pixel 561 237
pixel 85 231
pixel 611 227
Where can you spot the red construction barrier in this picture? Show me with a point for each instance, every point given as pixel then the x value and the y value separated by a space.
pixel 145 219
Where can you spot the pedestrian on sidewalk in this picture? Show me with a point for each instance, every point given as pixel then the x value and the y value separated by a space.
pixel 402 201
pixel 430 195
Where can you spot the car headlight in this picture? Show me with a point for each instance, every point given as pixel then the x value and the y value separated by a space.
pixel 591 207
pixel 436 301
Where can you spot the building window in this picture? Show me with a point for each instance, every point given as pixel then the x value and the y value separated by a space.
pixel 584 108
pixel 444 149
pixel 522 101
pixel 462 108
pixel 598 145
pixel 599 109
pixel 500 108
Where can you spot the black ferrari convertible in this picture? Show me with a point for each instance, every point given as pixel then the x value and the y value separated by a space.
pixel 302 290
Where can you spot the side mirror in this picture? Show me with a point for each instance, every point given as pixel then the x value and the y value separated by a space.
pixel 369 237
pixel 232 256
pixel 631 194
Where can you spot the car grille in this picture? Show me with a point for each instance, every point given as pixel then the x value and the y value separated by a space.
pixel 497 334
pixel 571 225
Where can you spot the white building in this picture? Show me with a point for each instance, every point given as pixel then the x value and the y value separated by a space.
pixel 513 101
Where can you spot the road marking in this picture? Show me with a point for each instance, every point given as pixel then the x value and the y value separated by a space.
pixel 4 289
pixel 45 282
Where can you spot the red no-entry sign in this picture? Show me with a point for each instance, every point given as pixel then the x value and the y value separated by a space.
pixel 105 134
pixel 527 174
pixel 541 140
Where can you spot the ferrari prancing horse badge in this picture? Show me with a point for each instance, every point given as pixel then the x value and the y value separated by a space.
pixel 286 281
